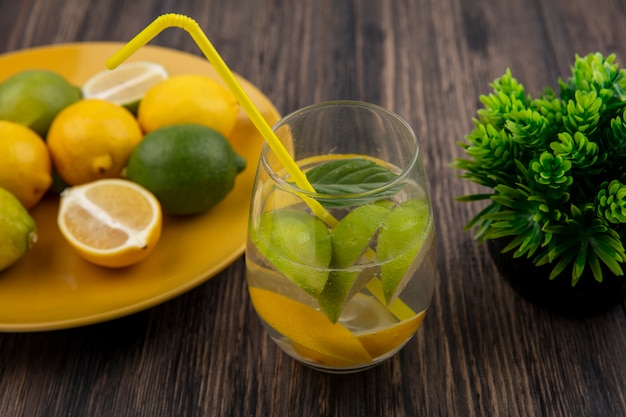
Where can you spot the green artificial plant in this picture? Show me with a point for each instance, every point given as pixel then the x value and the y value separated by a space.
pixel 556 167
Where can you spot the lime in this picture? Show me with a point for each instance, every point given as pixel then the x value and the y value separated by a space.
pixel 19 231
pixel 33 98
pixel 125 85
pixel 350 237
pixel 399 241
pixel 189 167
pixel 298 244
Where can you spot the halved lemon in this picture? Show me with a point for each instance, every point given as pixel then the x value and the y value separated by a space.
pixel 125 85
pixel 110 222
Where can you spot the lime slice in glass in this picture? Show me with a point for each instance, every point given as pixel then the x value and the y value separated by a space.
pixel 298 245
pixel 351 237
pixel 399 241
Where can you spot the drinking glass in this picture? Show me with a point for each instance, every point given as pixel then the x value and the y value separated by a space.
pixel 341 267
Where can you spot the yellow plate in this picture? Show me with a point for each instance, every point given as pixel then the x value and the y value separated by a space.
pixel 52 288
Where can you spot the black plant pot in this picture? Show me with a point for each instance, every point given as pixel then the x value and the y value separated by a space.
pixel 588 298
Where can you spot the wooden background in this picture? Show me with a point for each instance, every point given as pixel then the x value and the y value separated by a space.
pixel 483 351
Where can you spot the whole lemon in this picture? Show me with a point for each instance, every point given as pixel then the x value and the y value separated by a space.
pixel 189 168
pixel 25 166
pixel 92 139
pixel 19 231
pixel 33 98
pixel 189 98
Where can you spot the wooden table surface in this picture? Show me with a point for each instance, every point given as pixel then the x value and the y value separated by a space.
pixel 482 351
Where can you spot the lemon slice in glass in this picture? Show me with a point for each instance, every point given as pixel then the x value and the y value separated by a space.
pixel 125 85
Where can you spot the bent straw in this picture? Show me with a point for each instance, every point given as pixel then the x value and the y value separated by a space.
pixel 191 26
pixel 165 21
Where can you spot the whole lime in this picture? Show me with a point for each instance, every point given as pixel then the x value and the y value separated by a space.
pixel 33 98
pixel 18 228
pixel 188 167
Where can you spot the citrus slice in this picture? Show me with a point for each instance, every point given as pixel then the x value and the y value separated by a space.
pixel 399 242
pixel 397 307
pixel 298 245
pixel 125 85
pixel 320 358
pixel 308 327
pixel 380 342
pixel 316 339
pixel 110 222
pixel 350 237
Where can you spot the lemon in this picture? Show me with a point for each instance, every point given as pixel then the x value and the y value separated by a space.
pixel 110 222
pixel 308 327
pixel 333 344
pixel 378 343
pixel 33 98
pixel 382 341
pixel 399 241
pixel 190 167
pixel 125 85
pixel 189 98
pixel 19 231
pixel 25 166
pixel 298 244
pixel 350 237
pixel 92 139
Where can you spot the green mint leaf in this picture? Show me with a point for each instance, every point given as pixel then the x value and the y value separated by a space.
pixel 353 176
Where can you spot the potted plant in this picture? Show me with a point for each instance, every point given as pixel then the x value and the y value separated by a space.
pixel 554 168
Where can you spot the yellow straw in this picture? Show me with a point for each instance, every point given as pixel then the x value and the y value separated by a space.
pixel 191 26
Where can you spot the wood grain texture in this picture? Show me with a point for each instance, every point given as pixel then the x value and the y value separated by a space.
pixel 483 351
